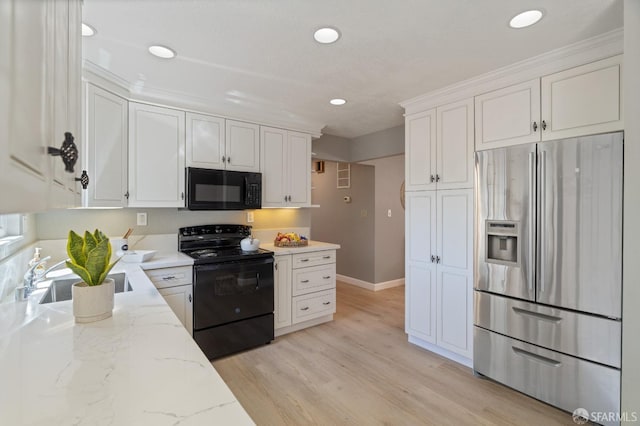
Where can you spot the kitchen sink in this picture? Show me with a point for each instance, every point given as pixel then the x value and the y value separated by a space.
pixel 61 289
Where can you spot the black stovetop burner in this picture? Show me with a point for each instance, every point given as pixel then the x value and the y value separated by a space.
pixel 216 243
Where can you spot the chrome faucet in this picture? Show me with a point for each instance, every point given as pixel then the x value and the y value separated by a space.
pixel 31 278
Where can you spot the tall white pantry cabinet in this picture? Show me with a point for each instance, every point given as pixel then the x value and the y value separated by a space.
pixel 439 225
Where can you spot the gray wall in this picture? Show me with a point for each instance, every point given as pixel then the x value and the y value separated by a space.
pixel 349 224
pixel 56 224
pixel 385 143
pixel 389 231
pixel 631 237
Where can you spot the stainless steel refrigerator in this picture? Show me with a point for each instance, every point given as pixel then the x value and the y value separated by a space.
pixel 548 271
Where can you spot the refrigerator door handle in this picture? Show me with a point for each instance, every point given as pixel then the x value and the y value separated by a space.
pixel 532 188
pixel 536 315
pixel 536 357
pixel 542 212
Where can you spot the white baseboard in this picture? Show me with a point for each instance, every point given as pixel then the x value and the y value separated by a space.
pixel 370 286
pixel 441 351
pixel 302 325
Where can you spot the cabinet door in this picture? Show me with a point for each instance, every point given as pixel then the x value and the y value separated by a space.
pixel 25 34
pixel 273 151
pixel 180 300
pixel 420 320
pixel 508 116
pixel 282 291
pixel 299 169
pixel 105 149
pixel 455 266
pixel 156 156
pixel 243 146
pixel 205 141
pixel 74 101
pixel 420 151
pixel 583 100
pixel 454 148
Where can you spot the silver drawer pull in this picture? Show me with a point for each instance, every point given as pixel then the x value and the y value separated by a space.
pixel 536 357
pixel 326 257
pixel 304 260
pixel 306 308
pixel 304 281
pixel 326 277
pixel 536 315
pixel 326 303
pixel 169 277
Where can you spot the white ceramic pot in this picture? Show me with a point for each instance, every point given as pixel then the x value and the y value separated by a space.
pixel 250 244
pixel 93 303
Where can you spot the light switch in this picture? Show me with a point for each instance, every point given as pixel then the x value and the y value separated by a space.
pixel 141 219
pixel 249 217
pixel 389 213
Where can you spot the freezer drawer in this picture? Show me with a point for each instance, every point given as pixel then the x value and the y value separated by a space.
pixel 560 380
pixel 585 336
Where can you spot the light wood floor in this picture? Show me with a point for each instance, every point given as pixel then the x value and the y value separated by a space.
pixel 360 370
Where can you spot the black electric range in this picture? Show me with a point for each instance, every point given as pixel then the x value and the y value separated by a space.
pixel 232 289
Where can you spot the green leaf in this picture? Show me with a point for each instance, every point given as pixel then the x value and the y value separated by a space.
pixel 106 272
pixel 75 245
pixel 90 243
pixel 81 272
pixel 98 260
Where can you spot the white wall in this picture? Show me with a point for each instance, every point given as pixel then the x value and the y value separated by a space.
pixel 631 237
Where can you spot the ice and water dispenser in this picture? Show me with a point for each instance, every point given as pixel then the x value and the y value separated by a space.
pixel 503 237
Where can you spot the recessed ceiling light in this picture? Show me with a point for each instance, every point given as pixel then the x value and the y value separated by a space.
pixel 88 30
pixel 525 19
pixel 326 35
pixel 337 101
pixel 162 52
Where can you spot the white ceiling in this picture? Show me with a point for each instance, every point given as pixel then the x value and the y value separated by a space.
pixel 248 58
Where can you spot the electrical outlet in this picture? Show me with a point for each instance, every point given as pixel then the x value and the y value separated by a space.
pixel 389 213
pixel 363 213
pixel 141 219
pixel 249 217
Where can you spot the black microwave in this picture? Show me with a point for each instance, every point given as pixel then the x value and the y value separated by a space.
pixel 209 189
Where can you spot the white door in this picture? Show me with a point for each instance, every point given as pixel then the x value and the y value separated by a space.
pixel 420 151
pixel 156 156
pixel 105 149
pixel 508 116
pixel 26 32
pixel 583 100
pixel 420 292
pixel 205 141
pixel 74 102
pixel 455 266
pixel 180 301
pixel 454 148
pixel 243 146
pixel 273 149
pixel 299 169
pixel 282 291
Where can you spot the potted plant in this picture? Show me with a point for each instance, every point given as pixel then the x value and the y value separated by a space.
pixel 89 258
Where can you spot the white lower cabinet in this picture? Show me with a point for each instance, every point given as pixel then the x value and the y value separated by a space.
pixel 305 289
pixel 176 287
pixel 439 269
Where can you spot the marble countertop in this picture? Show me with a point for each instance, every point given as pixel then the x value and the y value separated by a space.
pixel 139 367
pixel 313 246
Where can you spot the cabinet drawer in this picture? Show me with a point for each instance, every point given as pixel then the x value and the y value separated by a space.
pixel 170 277
pixel 315 278
pixel 313 305
pixel 560 380
pixel 302 260
pixel 565 331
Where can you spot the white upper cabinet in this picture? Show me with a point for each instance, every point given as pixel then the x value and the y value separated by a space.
pixel 583 100
pixel 454 148
pixel 156 156
pixel 242 146
pixel 439 148
pixel 205 141
pixel 579 101
pixel 420 151
pixel 105 148
pixel 508 116
pixel 286 168
pixel 39 76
